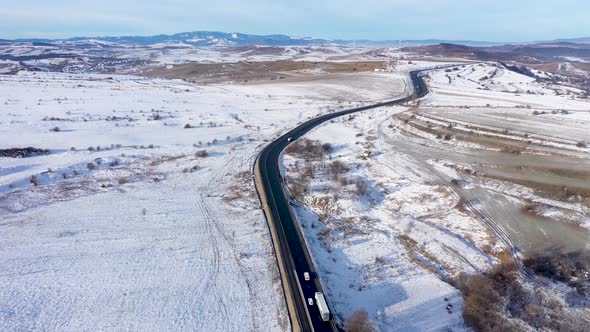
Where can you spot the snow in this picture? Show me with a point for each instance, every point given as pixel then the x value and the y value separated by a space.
pixel 490 84
pixel 150 236
pixel 392 248
pixel 358 242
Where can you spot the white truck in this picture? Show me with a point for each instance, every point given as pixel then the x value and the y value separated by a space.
pixel 322 306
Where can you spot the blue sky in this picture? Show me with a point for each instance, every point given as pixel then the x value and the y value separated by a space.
pixel 499 20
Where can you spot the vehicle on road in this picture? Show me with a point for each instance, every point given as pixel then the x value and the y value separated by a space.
pixel 310 301
pixel 322 306
pixel 306 276
pixel 290 139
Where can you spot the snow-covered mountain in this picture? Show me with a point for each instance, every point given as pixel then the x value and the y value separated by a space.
pixel 195 38
pixel 215 38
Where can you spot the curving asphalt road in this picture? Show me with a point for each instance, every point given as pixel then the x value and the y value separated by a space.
pixel 291 251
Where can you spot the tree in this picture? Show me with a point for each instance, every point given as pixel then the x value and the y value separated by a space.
pixel 358 321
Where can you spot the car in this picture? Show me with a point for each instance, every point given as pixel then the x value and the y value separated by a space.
pixel 310 301
pixel 290 139
pixel 306 276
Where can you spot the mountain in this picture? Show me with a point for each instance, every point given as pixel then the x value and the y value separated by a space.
pixel 583 40
pixel 526 53
pixel 215 38
pixel 195 38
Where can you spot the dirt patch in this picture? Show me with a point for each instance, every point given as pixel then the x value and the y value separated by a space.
pixel 246 71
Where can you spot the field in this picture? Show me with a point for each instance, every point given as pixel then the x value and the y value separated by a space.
pixel 397 202
pixel 138 211
pixel 127 199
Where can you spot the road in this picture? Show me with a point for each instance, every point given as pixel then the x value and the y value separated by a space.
pixel 291 251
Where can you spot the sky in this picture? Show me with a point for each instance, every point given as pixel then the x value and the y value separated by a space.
pixel 484 20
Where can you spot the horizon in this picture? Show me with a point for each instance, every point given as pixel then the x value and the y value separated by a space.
pixel 296 36
pixel 440 19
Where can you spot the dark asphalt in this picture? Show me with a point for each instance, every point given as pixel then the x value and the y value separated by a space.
pixel 294 252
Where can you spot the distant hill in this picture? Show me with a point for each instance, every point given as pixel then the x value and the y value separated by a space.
pixel 583 40
pixel 223 39
pixel 526 53
pixel 215 38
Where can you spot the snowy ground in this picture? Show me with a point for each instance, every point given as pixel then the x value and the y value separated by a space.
pixel 385 248
pixel 397 206
pixel 126 224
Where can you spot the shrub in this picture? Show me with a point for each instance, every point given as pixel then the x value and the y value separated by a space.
pixel 187 126
pixel 343 181
pixel 307 149
pixel 581 144
pixel 34 180
pixel 297 190
pixel 498 301
pixel 358 321
pixel 308 170
pixel 90 166
pixel 361 187
pixel 568 268
pixel 55 129
pixel 336 168
pixel 202 154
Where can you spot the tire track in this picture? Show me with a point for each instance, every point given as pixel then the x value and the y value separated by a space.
pixel 215 231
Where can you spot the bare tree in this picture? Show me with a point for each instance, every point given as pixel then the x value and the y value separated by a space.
pixel 359 321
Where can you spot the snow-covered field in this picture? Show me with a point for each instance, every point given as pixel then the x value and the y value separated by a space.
pixel 383 232
pixel 394 206
pixel 143 215
pixel 491 84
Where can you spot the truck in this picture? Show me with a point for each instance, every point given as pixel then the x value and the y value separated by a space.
pixel 322 306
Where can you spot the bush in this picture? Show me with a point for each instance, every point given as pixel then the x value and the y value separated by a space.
pixel 358 321
pixel 498 301
pixel 336 168
pixel 581 144
pixel 568 268
pixel 297 190
pixel 487 298
pixel 343 182
pixel 55 129
pixel 361 187
pixel 90 166
pixel 307 149
pixel 187 126
pixel 202 154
